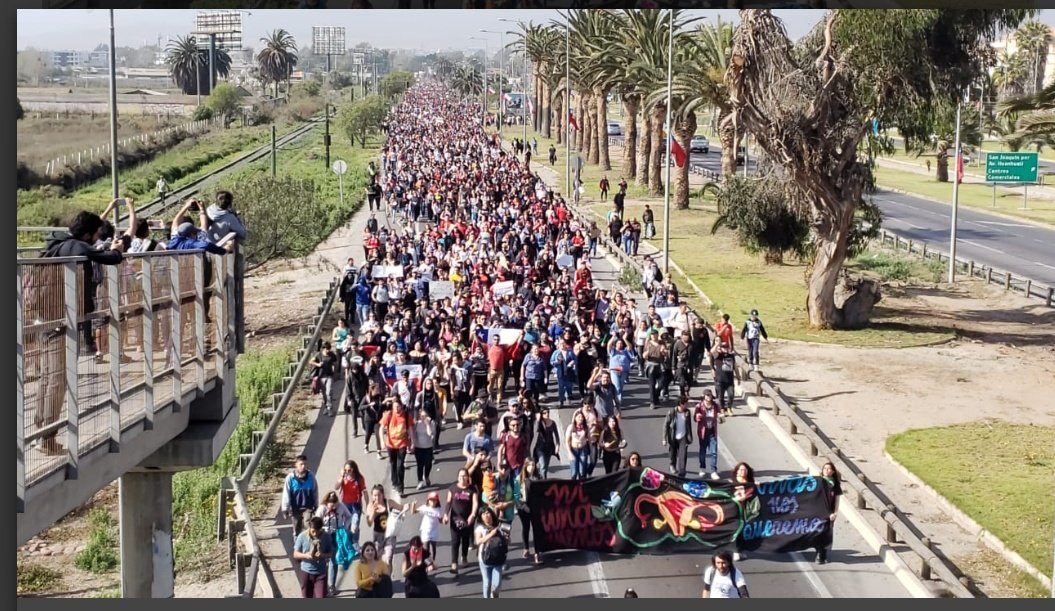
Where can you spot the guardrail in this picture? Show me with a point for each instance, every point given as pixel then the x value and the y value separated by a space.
pixel 168 330
pixel 867 496
pixel 1026 286
pixel 248 564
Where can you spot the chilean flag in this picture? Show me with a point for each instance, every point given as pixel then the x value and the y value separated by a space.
pixel 959 166
pixel 572 122
pixel 677 151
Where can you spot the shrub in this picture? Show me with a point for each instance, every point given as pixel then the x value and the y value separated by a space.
pixel 32 578
pixel 99 554
pixel 201 113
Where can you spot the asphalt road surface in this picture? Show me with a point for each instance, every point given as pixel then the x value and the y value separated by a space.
pixel 853 570
pixel 1021 248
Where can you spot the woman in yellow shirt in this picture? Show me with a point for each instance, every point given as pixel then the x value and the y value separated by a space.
pixel 373 576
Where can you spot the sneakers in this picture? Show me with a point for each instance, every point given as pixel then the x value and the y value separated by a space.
pixel 738 556
pixel 715 476
pixel 428 483
pixel 702 473
pixel 421 485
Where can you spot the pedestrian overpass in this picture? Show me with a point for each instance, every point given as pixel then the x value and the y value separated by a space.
pixel 158 400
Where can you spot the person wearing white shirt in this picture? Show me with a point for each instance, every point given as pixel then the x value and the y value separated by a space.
pixel 723 580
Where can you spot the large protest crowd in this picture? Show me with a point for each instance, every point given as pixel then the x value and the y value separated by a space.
pixel 474 306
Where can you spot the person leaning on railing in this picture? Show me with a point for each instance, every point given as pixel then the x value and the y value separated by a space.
pixel 78 241
pixel 186 236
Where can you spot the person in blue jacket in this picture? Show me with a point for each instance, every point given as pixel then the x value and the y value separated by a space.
pixel 363 302
pixel 300 493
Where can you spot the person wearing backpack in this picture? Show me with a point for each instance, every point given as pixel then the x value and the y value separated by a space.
pixel 492 539
pixel 723 580
pixel 43 298
pixel 754 331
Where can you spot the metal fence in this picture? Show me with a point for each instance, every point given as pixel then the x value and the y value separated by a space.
pixel 930 564
pixel 248 563
pixel 161 324
pixel 1009 281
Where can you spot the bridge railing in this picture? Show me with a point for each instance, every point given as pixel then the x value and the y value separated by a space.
pixel 162 324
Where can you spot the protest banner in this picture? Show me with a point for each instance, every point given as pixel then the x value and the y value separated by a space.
pixel 386 271
pixel 441 289
pixel 503 288
pixel 667 315
pixel 644 511
pixel 565 261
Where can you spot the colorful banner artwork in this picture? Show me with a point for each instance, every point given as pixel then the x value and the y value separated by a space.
pixel 644 511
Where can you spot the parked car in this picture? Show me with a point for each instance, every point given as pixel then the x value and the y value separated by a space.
pixel 614 129
pixel 699 144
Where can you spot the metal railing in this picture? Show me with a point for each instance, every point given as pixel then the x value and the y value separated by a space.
pixel 898 528
pixel 161 324
pixel 248 563
pixel 1021 284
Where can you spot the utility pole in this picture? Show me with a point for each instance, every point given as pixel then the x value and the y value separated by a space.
pixel 274 153
pixel 326 137
pixel 113 118
pixel 955 201
pixel 670 146
pixel 197 70
pixel 567 105
pixel 212 62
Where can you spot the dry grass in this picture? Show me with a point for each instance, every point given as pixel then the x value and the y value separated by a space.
pixel 42 139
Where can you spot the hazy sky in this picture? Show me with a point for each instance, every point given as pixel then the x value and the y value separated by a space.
pixel 417 29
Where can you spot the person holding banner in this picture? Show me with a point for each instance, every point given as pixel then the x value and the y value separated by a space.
pixel 744 490
pixel 835 491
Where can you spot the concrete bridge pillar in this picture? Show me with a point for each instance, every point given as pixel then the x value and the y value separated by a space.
pixel 147 561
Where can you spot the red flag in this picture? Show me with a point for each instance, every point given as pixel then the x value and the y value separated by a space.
pixel 678 152
pixel 959 167
pixel 571 121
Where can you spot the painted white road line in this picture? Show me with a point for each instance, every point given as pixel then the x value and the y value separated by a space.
pixel 805 567
pixel 1043 265
pixel 996 250
pixel 1001 224
pixel 1042 242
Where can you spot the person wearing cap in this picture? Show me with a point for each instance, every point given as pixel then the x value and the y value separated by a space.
pixel 753 332
pixel 186 236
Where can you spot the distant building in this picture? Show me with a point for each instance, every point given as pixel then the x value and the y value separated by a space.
pixel 1007 46
pixel 100 57
pixel 67 59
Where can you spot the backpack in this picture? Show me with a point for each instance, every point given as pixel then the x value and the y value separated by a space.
pixel 494 552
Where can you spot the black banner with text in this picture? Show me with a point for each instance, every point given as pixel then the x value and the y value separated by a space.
pixel 642 511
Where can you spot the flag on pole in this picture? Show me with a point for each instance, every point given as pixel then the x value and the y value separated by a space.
pixel 959 166
pixel 677 151
pixel 572 122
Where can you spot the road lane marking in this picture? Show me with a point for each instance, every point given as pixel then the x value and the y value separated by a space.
pixel 996 250
pixel 805 567
pixel 1043 265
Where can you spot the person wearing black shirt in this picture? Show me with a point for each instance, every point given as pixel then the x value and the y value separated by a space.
pixel 724 380
pixel 463 500
pixel 416 562
pixel 619 201
pixel 325 364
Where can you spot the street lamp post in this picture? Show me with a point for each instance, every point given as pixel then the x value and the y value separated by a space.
pixel 501 72
pixel 955 201
pixel 113 116
pixel 523 86
pixel 669 144
pixel 567 109
pixel 483 93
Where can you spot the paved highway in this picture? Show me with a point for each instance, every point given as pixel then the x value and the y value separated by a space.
pixel 853 570
pixel 1024 249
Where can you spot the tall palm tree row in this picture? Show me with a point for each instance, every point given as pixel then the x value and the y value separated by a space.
pixel 277 59
pixel 1033 39
pixel 189 65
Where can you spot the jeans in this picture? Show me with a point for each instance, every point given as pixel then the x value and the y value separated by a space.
pixel 619 382
pixel 423 458
pixel 593 247
pixel 542 459
pixel 356 509
pixel 533 388
pixel 654 371
pixel 752 351
pixel 628 244
pixel 312 585
pixel 650 230
pixel 709 454
pixel 397 459
pixel 492 576
pixel 362 311
pixel 579 462
pixel 327 393
pixel 679 454
pixel 331 571
pixel 565 386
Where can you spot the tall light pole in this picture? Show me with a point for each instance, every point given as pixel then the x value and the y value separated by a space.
pixel 523 86
pixel 113 117
pixel 669 145
pixel 483 93
pixel 955 201
pixel 567 105
pixel 501 71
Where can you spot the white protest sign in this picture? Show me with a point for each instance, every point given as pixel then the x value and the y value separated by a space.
pixel 441 289
pixel 565 261
pixel 386 271
pixel 503 288
pixel 667 315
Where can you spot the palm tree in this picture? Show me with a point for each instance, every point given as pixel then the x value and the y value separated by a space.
pixel 467 80
pixel 1033 39
pixel 1010 74
pixel 701 84
pixel 1034 118
pixel 189 65
pixel 278 58
pixel 593 33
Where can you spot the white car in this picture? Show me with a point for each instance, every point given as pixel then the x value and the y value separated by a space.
pixel 699 144
pixel 614 129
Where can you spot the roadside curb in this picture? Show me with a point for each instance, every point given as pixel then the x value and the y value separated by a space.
pixel 974 528
pixel 889 556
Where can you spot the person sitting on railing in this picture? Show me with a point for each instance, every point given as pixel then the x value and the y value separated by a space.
pixel 78 241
